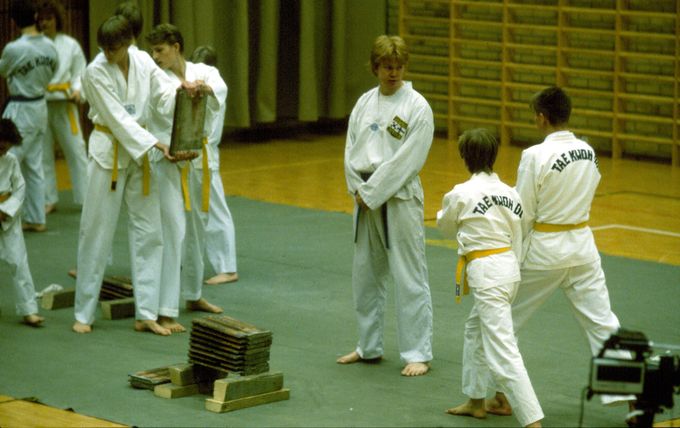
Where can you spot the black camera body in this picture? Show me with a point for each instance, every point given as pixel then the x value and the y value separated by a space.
pixel 635 370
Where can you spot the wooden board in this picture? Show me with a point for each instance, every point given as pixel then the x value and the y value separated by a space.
pixel 182 374
pixel 242 403
pixel 61 299
pixel 237 387
pixel 118 309
pixel 231 327
pixel 148 379
pixel 113 286
pixel 21 413
pixel 169 390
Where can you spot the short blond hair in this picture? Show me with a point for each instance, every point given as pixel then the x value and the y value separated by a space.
pixel 386 48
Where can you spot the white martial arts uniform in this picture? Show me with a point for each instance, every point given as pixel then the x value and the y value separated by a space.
pixel 12 246
pixel 389 137
pixel 122 107
pixel 180 226
pixel 557 180
pixel 29 63
pixel 484 214
pixel 63 121
pixel 220 236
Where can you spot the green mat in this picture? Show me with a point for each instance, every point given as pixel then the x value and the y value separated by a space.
pixel 295 279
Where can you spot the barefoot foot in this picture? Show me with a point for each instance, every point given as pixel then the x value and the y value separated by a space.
pixel 152 326
pixel 203 306
pixel 33 320
pixel 474 408
pixel 499 405
pixel 353 357
pixel 171 324
pixel 79 327
pixel 222 278
pixel 416 369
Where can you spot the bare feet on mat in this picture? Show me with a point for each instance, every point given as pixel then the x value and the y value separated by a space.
pixel 472 407
pixel 33 320
pixel 499 405
pixel 203 306
pixel 353 357
pixel 222 278
pixel 171 324
pixel 50 208
pixel 79 327
pixel 152 326
pixel 416 369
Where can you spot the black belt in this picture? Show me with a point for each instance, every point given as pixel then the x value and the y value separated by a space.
pixel 383 213
pixel 19 99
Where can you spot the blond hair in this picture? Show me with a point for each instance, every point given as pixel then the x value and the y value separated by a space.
pixel 387 48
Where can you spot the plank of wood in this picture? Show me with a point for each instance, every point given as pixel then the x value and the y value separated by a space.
pixel 148 379
pixel 242 403
pixel 21 413
pixel 118 309
pixel 236 387
pixel 169 390
pixel 60 299
pixel 182 374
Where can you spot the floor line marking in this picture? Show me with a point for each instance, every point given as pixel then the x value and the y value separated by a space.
pixel 637 229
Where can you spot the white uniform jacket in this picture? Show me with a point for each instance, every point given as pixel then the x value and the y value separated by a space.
pixel 71 66
pixel 483 214
pixel 125 110
pixel 562 173
pixel 28 63
pixel 390 137
pixel 11 182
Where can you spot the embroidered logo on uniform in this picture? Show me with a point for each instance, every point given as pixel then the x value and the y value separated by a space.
pixel 130 108
pixel 398 128
pixel 374 127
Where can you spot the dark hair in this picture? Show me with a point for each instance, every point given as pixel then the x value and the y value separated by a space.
pixel 114 31
pixel 131 12
pixel 9 132
pixel 205 54
pixel 166 33
pixel 52 8
pixel 554 104
pixel 478 148
pixel 22 13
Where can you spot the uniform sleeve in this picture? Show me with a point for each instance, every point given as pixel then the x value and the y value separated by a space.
pixel 163 91
pixel 351 177
pixel 517 235
pixel 78 65
pixel 406 163
pixel 218 98
pixel 4 62
pixel 447 217
pixel 13 204
pixel 527 188
pixel 103 98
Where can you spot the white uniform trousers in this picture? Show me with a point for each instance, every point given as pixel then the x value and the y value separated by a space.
pixel 13 252
pixel 73 147
pixel 490 352
pixel 194 243
pixel 405 263
pixel 167 175
pixel 586 290
pixel 29 154
pixel 220 239
pixel 98 222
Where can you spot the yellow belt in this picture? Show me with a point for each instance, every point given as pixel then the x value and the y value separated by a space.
pixel 146 168
pixel 461 272
pixel 547 227
pixel 5 196
pixel 205 194
pixel 55 87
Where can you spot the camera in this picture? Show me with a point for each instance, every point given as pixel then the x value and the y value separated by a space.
pixel 627 365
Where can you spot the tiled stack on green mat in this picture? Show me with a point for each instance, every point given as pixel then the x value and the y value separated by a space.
pixel 224 343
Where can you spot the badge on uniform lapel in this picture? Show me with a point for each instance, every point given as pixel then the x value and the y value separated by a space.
pixel 130 108
pixel 398 128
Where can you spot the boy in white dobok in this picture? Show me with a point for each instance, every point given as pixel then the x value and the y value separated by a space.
pixel 182 213
pixel 484 216
pixel 121 84
pixel 388 138
pixel 64 93
pixel 12 246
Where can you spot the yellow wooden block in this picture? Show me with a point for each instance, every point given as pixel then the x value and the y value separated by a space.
pixel 242 403
pixel 182 374
pixel 169 390
pixel 235 387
